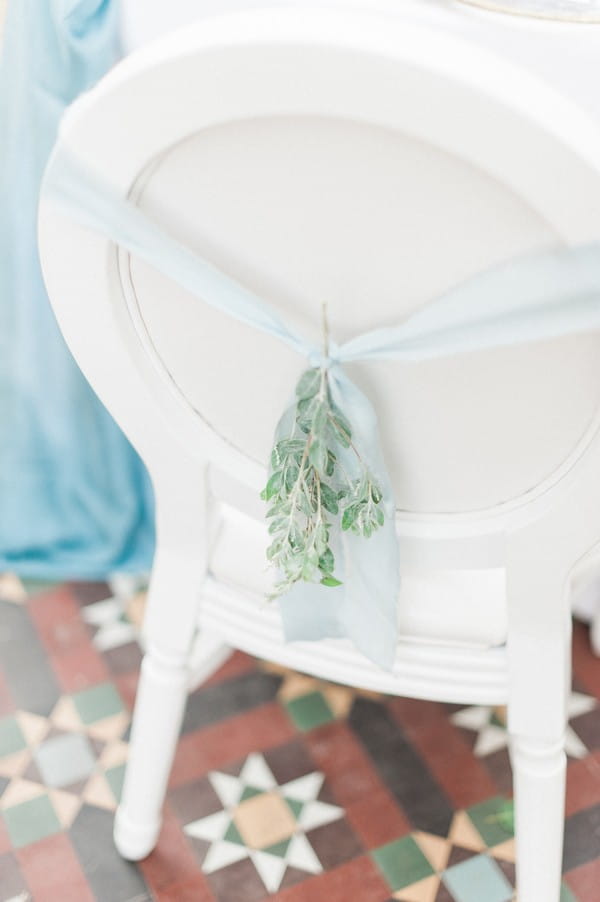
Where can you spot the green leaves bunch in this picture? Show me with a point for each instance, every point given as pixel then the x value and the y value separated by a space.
pixel 309 490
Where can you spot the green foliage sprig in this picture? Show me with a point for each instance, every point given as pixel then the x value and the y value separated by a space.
pixel 309 489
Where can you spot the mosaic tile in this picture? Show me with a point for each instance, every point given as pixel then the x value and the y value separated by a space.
pixel 20 790
pixel 12 588
pixel 327 791
pixel 227 699
pixel 402 863
pixel 309 711
pixel 110 878
pixel 12 882
pixel 11 736
pixel 52 871
pixel 26 668
pixel 334 843
pixel 90 592
pixel 401 769
pixel 266 826
pixel 376 819
pixel 34 587
pixel 492 736
pixel 476 879
pixel 110 622
pixel 566 895
pixel 123 658
pixel 487 818
pixel 31 820
pixel 423 891
pixel 64 759
pixel 98 703
pixel 115 777
pixel 582 838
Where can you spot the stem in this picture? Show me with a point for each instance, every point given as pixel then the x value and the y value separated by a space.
pixel 325 330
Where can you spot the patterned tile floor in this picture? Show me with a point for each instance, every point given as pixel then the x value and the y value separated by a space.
pixel 284 788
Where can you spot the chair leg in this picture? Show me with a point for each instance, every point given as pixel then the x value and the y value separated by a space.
pixel 170 625
pixel 539 769
pixel 157 720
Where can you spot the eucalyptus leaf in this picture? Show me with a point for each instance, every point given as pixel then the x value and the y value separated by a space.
pixel 330 581
pixel 308 384
pixel 310 492
pixel 329 499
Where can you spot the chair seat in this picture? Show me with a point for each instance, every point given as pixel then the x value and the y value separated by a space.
pixel 456 607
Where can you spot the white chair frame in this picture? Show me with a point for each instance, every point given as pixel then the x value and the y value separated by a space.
pixel 191 620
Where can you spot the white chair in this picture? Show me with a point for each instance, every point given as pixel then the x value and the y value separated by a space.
pixel 371 163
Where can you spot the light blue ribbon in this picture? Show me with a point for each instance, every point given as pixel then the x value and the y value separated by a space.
pixel 534 298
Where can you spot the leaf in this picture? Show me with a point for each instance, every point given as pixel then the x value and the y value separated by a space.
pixel 273 486
pixel 376 493
pixel 341 429
pixel 303 406
pixel 327 562
pixel 350 515
pixel 308 384
pixel 320 420
pixel 329 499
pixel 330 581
pixel 291 475
pixel 379 516
pixel 317 455
pixel 331 459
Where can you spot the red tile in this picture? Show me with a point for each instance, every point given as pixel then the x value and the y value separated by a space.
pixel 376 819
pixel 230 740
pixel 415 715
pixel 172 861
pixel 192 890
pixel 464 778
pixel 584 881
pixel 127 684
pixel 79 667
pixel 53 872
pixel 346 765
pixel 238 664
pixel 57 618
pixel 357 880
pixel 586 666
pixel 583 783
pixel 5 843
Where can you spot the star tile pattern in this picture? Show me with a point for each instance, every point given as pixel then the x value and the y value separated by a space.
pixel 267 822
pixel 284 787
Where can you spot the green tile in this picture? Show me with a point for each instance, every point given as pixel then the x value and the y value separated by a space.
pixel 490 820
pixel 295 807
pixel 11 736
pixel 566 895
pixel 401 862
pixel 280 848
pixel 476 879
pixel 115 777
pixel 97 703
pixel 232 835
pixel 36 586
pixel 309 711
pixel 31 821
pixel 249 793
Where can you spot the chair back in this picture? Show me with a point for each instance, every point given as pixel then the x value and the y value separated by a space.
pixel 346 158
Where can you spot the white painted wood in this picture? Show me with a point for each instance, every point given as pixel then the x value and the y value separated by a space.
pixel 166 125
pixel 169 627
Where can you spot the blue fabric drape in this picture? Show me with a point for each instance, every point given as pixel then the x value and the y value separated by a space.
pixel 534 298
pixel 75 499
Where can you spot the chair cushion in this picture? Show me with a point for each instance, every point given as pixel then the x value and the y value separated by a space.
pixel 458 607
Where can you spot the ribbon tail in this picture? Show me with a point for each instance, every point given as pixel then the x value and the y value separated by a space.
pixel 364 608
